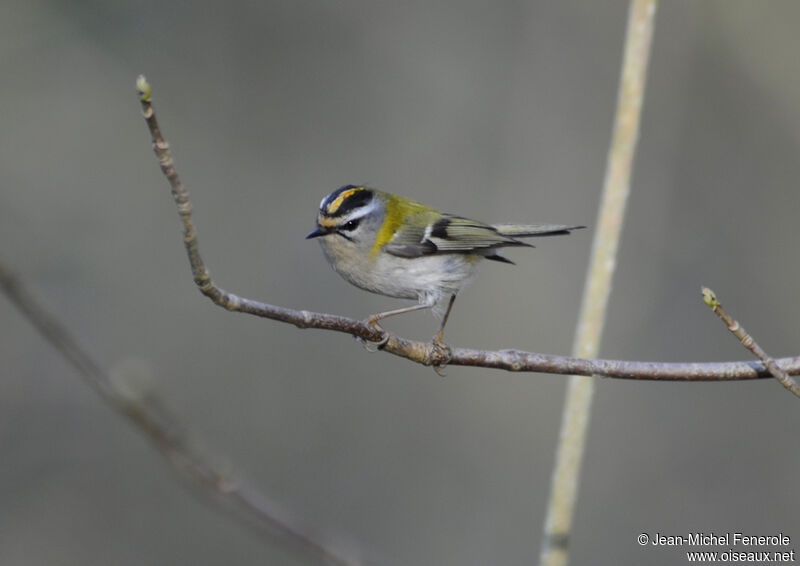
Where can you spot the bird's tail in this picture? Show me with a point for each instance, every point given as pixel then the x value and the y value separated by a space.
pixel 534 230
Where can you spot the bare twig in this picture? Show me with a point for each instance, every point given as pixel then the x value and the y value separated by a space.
pixel 425 353
pixel 578 404
pixel 161 428
pixel 710 298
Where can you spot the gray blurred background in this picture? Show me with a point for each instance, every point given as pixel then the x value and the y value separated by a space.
pixel 497 110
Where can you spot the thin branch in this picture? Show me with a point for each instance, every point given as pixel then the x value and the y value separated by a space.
pixel 426 353
pixel 710 298
pixel 162 429
pixel 616 188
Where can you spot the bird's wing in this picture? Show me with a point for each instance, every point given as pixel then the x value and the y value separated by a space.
pixel 449 234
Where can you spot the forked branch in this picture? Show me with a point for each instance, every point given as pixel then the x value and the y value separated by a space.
pixel 710 298
pixel 426 353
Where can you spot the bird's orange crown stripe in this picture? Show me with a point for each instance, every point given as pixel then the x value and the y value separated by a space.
pixel 337 202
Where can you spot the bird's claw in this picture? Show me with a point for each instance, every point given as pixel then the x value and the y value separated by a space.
pixel 371 346
pixel 440 355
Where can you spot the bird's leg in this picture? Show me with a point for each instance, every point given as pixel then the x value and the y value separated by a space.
pixel 441 352
pixel 437 340
pixel 373 321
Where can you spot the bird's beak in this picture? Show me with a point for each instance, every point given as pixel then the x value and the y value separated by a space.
pixel 316 232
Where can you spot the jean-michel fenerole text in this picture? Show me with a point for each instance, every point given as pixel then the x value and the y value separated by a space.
pixel 722 539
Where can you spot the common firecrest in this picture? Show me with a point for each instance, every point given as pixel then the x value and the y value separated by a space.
pixel 394 246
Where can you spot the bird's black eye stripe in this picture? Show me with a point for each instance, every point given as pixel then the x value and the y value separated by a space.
pixel 351 225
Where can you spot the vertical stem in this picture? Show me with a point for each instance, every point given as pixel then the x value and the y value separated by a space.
pixel 577 408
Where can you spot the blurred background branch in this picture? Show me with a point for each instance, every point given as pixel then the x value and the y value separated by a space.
pixel 150 417
pixel 602 264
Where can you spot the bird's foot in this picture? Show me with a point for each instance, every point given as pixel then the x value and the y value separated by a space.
pixel 369 345
pixel 440 354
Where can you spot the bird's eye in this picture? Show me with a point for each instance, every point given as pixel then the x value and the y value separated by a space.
pixel 350 226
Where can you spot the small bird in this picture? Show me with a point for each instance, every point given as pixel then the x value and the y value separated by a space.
pixel 394 246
